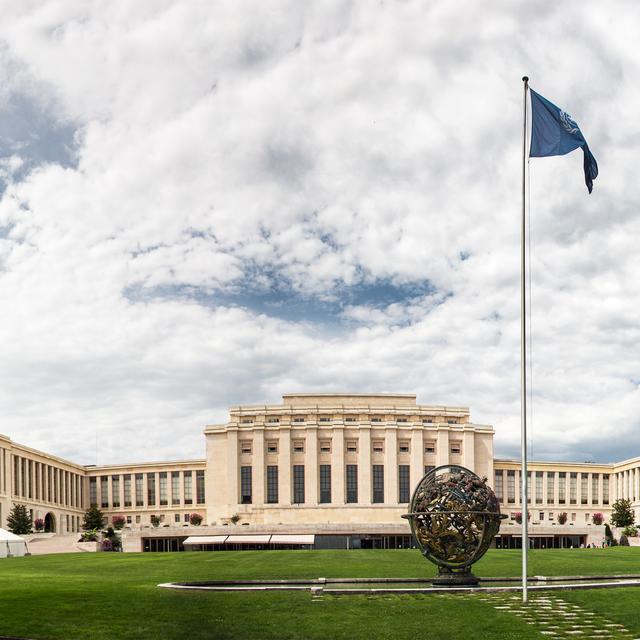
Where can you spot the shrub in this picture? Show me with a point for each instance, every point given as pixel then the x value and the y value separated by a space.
pixel 38 524
pixel 118 522
pixel 195 519
pixel 562 517
pixel 607 532
pixel 235 518
pixel 597 518
pixel 624 542
pixel 155 521
pixel 90 536
pixel 630 531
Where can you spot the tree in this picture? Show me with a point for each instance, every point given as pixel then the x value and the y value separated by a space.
pixel 622 514
pixel 93 518
pixel 195 519
pixel 19 520
pixel 597 518
pixel 562 517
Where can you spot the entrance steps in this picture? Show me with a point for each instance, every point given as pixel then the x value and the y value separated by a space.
pixel 41 544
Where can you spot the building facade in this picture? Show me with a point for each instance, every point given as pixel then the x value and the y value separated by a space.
pixel 341 467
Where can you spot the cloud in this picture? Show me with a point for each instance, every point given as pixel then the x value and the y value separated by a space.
pixel 221 204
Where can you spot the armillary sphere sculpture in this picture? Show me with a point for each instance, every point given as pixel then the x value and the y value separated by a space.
pixel 454 517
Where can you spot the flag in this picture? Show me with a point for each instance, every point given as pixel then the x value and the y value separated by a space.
pixel 555 133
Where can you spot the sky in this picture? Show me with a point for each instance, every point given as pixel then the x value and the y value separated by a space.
pixel 205 204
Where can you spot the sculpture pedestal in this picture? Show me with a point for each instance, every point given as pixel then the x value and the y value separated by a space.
pixel 447 578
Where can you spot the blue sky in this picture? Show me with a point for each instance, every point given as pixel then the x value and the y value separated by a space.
pixel 206 204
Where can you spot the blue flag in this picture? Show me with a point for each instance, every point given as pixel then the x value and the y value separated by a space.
pixel 555 133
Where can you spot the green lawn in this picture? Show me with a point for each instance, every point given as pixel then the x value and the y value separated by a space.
pixel 115 596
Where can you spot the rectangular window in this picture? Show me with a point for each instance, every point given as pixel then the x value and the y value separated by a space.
pixel 352 446
pixel 273 420
pixel 325 446
pixel 455 448
pixel 127 489
pixel 115 489
pixel 128 519
pixel 429 447
pixel 550 515
pixel 511 486
pixel 175 487
pixel 324 419
pixel 272 484
pixel 403 483
pixel 352 483
pixel 550 488
pixel 200 498
pixel 245 446
pixel 188 487
pixel 376 419
pixel 562 487
pixel 93 491
pixel 139 490
pixel 541 516
pixel 272 446
pixel 595 496
pixel 452 421
pixel 350 419
pixel 246 494
pixel 246 421
pixel 401 420
pixel 298 446
pixel 584 489
pixel 498 485
pixel 539 496
pixel 573 488
pixel 163 489
pixel 378 446
pixel 176 518
pixel 403 446
pixel 325 483
pixel 428 468
pixel 298 484
pixel 427 420
pixel 378 483
pixel 151 489
pixel 104 492
pixel 298 419
pixel 605 488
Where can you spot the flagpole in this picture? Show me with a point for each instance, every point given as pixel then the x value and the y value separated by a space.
pixel 523 355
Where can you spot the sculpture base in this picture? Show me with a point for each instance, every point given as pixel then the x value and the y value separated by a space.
pixel 455 579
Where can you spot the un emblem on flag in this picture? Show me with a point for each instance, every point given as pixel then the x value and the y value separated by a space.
pixel 567 122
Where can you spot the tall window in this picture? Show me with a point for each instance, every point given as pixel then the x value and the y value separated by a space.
pixel 539 487
pixel 298 483
pixel 595 496
pixel 151 488
pixel 104 491
pixel 498 485
pixel 163 488
pixel 93 491
pixel 188 487
pixel 325 483
pixel 562 487
pixel 605 488
pixel 403 483
pixel 200 486
pixel 573 488
pixel 551 498
pixel 352 483
pixel 127 490
pixel 246 494
pixel 115 490
pixel 272 484
pixel 584 489
pixel 511 486
pixel 139 490
pixel 378 483
pixel 175 487
pixel 428 467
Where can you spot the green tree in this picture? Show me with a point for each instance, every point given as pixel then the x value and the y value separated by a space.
pixel 19 520
pixel 93 518
pixel 621 513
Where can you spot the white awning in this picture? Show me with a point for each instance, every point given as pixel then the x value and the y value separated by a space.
pixel 204 540
pixel 292 539
pixel 248 539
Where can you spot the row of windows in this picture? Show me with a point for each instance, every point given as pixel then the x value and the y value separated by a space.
pixel 34 480
pixel 578 488
pixel 164 519
pixel 324 484
pixel 127 488
pixel 550 516
pixel 324 446
pixel 353 419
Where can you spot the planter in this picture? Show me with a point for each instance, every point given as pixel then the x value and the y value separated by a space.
pixel 91 547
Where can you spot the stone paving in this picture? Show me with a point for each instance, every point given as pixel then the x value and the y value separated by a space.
pixel 556 618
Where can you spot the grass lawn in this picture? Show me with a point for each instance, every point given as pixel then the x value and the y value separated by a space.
pixel 115 596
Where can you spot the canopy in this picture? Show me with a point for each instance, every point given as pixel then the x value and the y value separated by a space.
pixel 11 544
pixel 248 539
pixel 204 540
pixel 293 539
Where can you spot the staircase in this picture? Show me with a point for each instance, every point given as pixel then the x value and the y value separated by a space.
pixel 41 544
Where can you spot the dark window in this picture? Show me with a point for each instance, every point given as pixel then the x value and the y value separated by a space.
pixel 245 485
pixel 511 486
pixel 428 468
pixel 200 498
pixel 162 476
pixel 403 483
pixel 104 491
pixel 127 490
pixel 325 483
pixel 115 488
pixel 352 483
pixel 272 484
pixel 298 483
pixel 93 491
pixel 378 483
pixel 139 490
pixel 151 489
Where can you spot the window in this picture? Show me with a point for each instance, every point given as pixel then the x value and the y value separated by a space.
pixel 573 488
pixel 175 487
pixel 246 446
pixel 455 448
pixel 429 447
pixel 498 485
pixel 511 486
pixel 273 420
pixel 427 420
pixel 272 446
pixel 93 491
pixel 298 419
pixel 245 485
pixel 324 419
pixel 298 484
pixel 376 419
pixel 428 468
pixel 163 488
pixel 352 483
pixel 401 420
pixel 352 446
pixel 550 490
pixel 139 490
pixel 138 519
pixel 562 487
pixel 378 446
pixel 573 517
pixel 550 515
pixel 188 487
pixel 104 491
pixel 595 495
pixel 403 483
pixel 115 491
pixel 325 446
pixel 403 446
pixel 127 489
pixel 350 419
pixel 325 483
pixel 272 484
pixel 452 421
pixel 151 488
pixel 541 516
pixel 586 517
pixel 186 517
pixel 378 483
pixel 246 421
pixel 539 487
pixel 128 519
pixel 298 446
pixel 176 518
pixel 584 488
pixel 605 488
pixel 200 487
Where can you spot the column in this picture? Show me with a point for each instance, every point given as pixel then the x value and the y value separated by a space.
pixel 338 469
pixel 258 472
pixel 442 447
pixel 590 495
pixel 32 479
pixel 544 489
pixel 556 489
pixel 417 458
pixel 364 465
pixel 637 483
pixel 284 466
pixel 18 462
pixel 468 451
pixel 391 466
pixel 518 488
pixel 233 477
pixel 110 490
pixel 311 474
